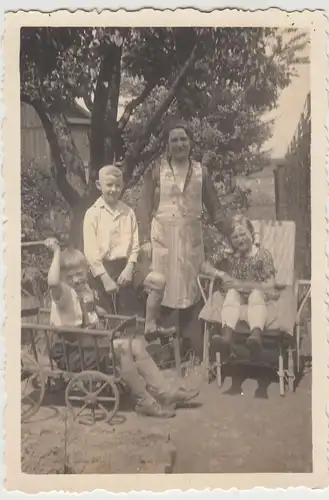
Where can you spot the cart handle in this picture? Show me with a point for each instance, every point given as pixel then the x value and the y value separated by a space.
pixel 131 321
pixel 27 244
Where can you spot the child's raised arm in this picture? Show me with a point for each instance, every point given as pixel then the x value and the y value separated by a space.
pixel 54 281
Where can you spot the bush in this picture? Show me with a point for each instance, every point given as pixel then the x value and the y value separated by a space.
pixel 43 213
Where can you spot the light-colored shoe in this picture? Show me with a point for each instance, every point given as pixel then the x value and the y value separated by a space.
pixel 182 396
pixel 154 409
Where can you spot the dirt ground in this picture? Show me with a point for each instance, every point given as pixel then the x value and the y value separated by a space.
pixel 218 434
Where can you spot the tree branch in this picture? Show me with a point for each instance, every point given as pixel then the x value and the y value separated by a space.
pixel 133 156
pixel 145 160
pixel 59 170
pixel 134 103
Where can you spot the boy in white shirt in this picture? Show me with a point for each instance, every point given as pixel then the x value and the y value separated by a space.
pixel 73 305
pixel 111 247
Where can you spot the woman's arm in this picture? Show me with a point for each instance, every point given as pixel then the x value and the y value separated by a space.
pixel 214 207
pixel 146 206
pixel 208 269
pixel 211 201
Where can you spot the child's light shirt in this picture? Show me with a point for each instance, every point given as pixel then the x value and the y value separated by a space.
pixel 109 234
pixel 67 310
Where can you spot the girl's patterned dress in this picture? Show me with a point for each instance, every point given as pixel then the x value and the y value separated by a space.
pixel 258 266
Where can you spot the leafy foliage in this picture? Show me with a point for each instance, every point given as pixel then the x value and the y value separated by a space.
pixel 43 213
pixel 221 80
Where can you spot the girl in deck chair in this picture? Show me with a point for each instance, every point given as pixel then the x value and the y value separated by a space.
pixel 248 277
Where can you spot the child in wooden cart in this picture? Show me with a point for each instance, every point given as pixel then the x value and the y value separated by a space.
pixel 73 305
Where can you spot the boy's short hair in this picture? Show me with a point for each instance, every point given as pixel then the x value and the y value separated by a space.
pixel 110 171
pixel 70 258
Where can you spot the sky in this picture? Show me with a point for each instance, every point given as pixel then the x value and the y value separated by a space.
pixel 289 108
pixel 287 113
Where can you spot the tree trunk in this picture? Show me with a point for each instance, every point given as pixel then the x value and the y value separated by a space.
pixel 75 172
pixel 67 168
pixel 76 230
pixel 104 129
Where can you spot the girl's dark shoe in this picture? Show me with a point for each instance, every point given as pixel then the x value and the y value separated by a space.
pixel 233 391
pixel 261 394
pixel 160 332
pixel 225 340
pixel 254 342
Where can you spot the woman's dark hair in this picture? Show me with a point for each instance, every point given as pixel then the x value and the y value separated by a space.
pixel 179 124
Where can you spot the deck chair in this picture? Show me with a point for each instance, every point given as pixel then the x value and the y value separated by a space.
pixel 282 335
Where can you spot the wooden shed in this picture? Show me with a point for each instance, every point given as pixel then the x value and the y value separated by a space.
pixel 34 144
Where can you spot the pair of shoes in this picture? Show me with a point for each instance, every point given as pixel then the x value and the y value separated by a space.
pixel 160 332
pixel 154 409
pixel 180 397
pixel 254 342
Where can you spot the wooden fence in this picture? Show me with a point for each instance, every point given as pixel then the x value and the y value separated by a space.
pixel 34 144
pixel 293 190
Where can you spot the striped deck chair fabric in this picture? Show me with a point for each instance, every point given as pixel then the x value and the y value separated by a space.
pixel 279 238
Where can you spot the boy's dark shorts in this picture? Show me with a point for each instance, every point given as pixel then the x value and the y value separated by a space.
pixel 114 269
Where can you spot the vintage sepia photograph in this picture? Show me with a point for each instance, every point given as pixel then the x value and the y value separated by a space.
pixel 166 249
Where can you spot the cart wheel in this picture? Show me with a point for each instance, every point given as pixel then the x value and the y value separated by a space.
pixel 33 386
pixel 92 396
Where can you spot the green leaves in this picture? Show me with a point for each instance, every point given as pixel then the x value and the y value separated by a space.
pixel 236 77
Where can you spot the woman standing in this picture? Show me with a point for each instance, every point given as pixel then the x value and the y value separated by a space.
pixel 170 225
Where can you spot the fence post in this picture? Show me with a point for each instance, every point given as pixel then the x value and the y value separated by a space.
pixel 292 190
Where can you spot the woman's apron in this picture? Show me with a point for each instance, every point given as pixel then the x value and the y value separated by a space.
pixel 176 236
